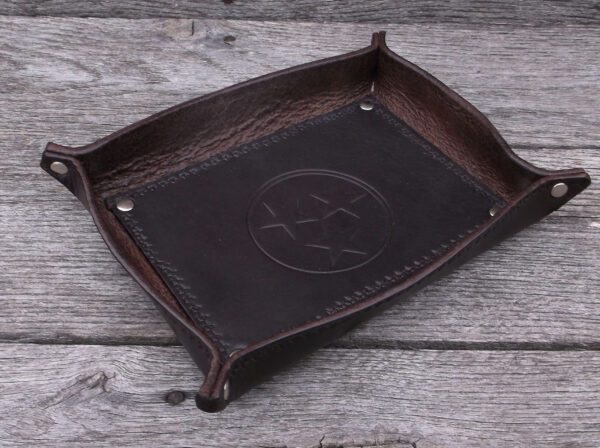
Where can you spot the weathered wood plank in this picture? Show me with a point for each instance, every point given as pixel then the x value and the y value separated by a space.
pixel 101 396
pixel 477 12
pixel 74 80
pixel 85 78
pixel 82 78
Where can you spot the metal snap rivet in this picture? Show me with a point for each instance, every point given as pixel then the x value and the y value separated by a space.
pixel 559 190
pixel 59 168
pixel 367 105
pixel 125 205
pixel 226 391
pixel 493 211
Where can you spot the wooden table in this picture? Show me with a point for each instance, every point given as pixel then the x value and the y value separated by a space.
pixel 504 352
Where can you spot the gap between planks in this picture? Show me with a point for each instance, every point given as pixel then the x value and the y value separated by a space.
pixel 475 13
pixel 341 344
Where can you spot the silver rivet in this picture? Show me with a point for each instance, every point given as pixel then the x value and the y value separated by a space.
pixel 366 105
pixel 559 190
pixel 226 391
pixel 59 168
pixel 493 211
pixel 125 205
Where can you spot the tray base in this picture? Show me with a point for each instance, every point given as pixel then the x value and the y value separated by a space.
pixel 302 223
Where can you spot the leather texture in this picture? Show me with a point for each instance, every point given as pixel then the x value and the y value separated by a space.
pixel 291 214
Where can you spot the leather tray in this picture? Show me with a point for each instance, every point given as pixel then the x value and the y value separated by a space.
pixel 269 218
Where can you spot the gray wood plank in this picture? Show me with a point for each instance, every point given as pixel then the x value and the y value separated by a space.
pixel 82 78
pixel 103 396
pixel 379 11
pixel 74 80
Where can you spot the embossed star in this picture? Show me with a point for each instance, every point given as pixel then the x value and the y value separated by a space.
pixel 339 204
pixel 286 218
pixel 338 243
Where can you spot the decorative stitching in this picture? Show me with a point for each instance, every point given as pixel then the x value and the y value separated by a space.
pixel 234 153
pixel 183 291
pixel 430 150
pixel 264 142
pixel 388 280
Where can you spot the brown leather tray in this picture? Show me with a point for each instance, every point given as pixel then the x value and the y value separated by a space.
pixel 268 218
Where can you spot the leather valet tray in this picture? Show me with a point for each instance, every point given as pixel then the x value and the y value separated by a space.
pixel 269 218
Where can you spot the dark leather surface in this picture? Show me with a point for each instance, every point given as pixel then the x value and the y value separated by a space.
pixel 298 225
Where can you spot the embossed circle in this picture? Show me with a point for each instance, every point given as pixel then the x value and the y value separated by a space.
pixel 319 221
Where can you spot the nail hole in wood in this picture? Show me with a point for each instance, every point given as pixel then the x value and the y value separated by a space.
pixel 175 397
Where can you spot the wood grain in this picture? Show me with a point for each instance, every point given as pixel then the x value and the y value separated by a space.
pixel 115 396
pixel 83 78
pixel 74 80
pixel 478 12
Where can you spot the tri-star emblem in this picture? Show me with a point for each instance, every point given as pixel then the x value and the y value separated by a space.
pixel 319 221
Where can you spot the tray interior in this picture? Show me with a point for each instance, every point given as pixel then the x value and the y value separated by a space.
pixel 302 223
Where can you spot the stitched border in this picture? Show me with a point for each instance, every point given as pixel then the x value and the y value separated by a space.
pixel 387 280
pixel 264 143
pixel 430 150
pixel 234 153
pixel 183 291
